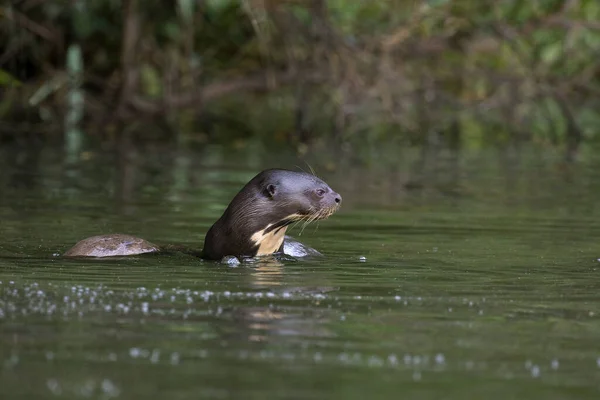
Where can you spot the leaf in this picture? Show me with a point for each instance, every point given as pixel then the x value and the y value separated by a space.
pixel 7 79
pixel 552 52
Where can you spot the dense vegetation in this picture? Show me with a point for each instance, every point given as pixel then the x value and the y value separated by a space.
pixel 461 73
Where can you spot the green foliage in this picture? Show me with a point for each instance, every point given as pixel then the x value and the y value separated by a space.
pixel 385 70
pixel 6 79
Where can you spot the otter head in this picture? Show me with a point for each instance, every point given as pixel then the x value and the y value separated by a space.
pixel 296 196
pixel 256 220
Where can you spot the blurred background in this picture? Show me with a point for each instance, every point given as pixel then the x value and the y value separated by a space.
pixel 357 75
pixel 463 136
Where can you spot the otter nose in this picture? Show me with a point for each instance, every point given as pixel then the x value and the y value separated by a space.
pixel 337 198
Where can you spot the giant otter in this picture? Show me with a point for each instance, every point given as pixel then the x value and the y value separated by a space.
pixel 254 223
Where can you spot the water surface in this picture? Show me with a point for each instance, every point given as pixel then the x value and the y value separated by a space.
pixel 462 280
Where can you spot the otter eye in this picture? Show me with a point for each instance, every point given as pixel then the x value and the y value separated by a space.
pixel 320 192
pixel 271 190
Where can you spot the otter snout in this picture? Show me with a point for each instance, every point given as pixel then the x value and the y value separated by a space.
pixel 332 201
pixel 337 198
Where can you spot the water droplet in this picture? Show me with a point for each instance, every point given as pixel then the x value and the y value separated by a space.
pixel 440 359
pixel 135 352
pixel 231 261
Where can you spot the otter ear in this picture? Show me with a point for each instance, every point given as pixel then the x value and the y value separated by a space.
pixel 271 190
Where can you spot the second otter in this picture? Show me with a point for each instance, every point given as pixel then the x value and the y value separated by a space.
pixel 253 224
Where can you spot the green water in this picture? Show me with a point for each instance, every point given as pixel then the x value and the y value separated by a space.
pixel 480 279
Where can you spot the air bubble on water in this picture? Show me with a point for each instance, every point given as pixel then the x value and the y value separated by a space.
pixel 362 259
pixel 155 356
pixel 317 357
pixel 375 361
pixel 397 298
pixel 88 388
pixel 109 388
pixel 174 358
pixel 343 357
pixel 554 364
pixel 535 371
pixel 440 359
pixel 342 318
pixel 392 360
pixel 135 352
pixel 286 295
pixel 49 356
pixel 54 386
